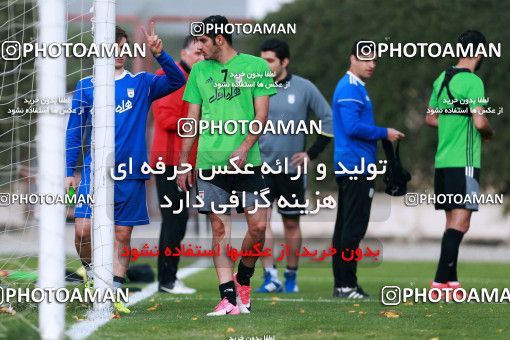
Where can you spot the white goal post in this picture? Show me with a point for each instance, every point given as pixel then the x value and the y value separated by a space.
pixel 51 83
pixel 103 152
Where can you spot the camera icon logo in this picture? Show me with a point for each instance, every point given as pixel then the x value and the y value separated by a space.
pixel 197 28
pixel 366 50
pixel 391 295
pixel 11 50
pixel 5 199
pixel 411 199
pixel 186 127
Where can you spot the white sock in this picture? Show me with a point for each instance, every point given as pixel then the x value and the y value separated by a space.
pixel 287 270
pixel 273 271
pixel 117 285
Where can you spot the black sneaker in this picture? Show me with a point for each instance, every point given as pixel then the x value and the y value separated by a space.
pixel 350 293
pixel 166 287
pixel 176 287
pixel 362 292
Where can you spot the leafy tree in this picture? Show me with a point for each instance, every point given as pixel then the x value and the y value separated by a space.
pixel 400 88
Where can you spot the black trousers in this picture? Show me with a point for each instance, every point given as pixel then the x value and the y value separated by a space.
pixel 173 226
pixel 353 214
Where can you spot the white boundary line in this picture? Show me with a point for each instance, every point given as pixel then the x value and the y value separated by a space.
pixel 83 329
pixel 277 299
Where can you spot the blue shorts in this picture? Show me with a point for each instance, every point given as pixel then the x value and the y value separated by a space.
pixel 130 201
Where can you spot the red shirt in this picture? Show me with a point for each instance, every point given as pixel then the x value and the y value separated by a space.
pixel 167 112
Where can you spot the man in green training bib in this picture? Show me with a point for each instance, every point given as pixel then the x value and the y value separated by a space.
pixel 456 109
pixel 228 95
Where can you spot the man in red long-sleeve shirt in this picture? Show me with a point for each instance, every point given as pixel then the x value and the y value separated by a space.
pixel 167 145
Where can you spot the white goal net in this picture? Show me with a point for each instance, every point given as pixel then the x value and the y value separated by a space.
pixel 37 234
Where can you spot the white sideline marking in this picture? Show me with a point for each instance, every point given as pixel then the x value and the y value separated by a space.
pixel 277 299
pixel 83 329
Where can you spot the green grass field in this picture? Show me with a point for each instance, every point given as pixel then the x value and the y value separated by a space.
pixel 312 313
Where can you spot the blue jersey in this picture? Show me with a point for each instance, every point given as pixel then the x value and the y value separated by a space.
pixel 134 94
pixel 355 132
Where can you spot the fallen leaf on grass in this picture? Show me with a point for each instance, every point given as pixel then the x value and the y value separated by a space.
pixel 435 338
pixel 153 308
pixel 77 318
pixel 362 312
pixel 194 318
pixel 428 315
pixel 408 303
pixel 116 316
pixel 499 330
pixel 352 311
pixel 356 305
pixel 302 311
pixel 391 314
pixel 8 310
pixel 230 330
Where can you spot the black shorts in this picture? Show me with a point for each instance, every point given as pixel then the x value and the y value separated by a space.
pixel 282 185
pixel 220 188
pixel 451 185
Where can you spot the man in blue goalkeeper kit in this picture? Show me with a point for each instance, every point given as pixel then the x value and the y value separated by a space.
pixel 134 94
